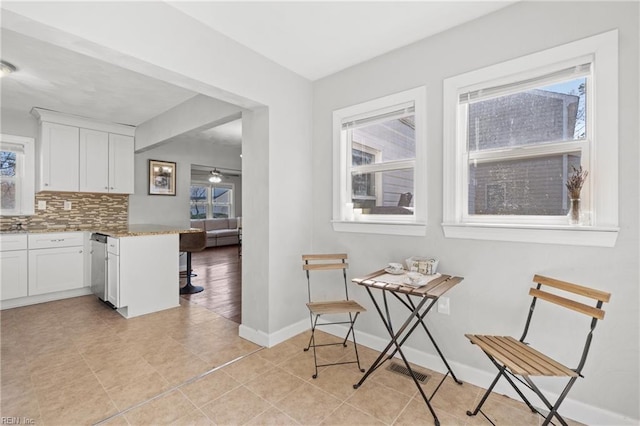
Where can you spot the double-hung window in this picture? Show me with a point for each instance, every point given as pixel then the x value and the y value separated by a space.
pixel 517 131
pixel 211 201
pixel 16 175
pixel 221 201
pixel 523 141
pixel 379 183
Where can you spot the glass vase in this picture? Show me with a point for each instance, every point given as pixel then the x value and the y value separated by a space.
pixel 575 212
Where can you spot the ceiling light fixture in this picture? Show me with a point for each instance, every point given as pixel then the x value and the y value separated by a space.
pixel 216 176
pixel 6 68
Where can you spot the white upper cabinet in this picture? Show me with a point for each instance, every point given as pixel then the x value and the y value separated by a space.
pixel 121 159
pixel 58 157
pixel 81 155
pixel 94 170
pixel 106 162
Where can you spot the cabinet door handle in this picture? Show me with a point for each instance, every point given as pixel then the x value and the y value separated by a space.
pixel 80 251
pixel 58 240
pixel 46 184
pixel 106 187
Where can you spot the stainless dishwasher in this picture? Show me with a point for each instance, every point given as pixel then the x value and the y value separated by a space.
pixel 99 265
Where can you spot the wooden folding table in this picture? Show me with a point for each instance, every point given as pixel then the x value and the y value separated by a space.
pixel 427 292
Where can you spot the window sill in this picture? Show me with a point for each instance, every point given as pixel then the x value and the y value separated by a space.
pixel 370 227
pixel 544 234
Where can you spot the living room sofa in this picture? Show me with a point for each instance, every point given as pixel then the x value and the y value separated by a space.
pixel 220 232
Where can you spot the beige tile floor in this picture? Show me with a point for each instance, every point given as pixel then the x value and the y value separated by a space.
pixel 76 362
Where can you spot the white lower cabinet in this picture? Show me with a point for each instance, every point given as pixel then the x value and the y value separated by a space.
pixel 113 272
pixel 13 266
pixel 148 275
pixel 56 262
pixel 13 274
pixel 55 270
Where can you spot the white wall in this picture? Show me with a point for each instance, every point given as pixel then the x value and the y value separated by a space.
pixel 18 123
pixel 157 40
pixel 493 296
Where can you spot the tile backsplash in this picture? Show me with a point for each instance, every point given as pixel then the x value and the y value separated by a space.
pixel 88 211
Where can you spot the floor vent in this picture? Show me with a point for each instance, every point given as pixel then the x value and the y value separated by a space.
pixel 401 369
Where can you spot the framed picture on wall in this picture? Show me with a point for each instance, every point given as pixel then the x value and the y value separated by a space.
pixel 162 178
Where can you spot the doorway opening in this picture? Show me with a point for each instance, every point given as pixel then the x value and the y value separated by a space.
pixel 215 206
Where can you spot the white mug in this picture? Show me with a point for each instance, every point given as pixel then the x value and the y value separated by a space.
pixel 395 267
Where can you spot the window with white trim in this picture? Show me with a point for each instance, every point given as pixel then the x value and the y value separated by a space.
pixel 379 183
pixel 208 201
pixel 514 132
pixel 17 175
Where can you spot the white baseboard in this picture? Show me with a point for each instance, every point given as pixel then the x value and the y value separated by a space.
pixel 573 409
pixel 42 298
pixel 268 340
pixel 256 336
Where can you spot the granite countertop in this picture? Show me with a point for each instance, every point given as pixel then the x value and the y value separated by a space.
pixel 134 230
pixel 131 230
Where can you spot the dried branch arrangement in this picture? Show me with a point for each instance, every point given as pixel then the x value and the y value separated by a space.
pixel 575 181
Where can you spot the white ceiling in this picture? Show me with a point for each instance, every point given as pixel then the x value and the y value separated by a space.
pixel 227 134
pixel 316 39
pixel 54 78
pixel 313 39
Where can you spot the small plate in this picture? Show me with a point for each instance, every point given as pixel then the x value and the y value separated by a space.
pixel 394 272
pixel 422 281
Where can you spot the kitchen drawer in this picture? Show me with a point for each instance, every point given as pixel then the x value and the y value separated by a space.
pixel 13 242
pixel 55 239
pixel 113 246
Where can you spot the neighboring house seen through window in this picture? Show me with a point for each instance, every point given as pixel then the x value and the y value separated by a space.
pixel 515 132
pixel 382 162
pixel 380 144
pixel 523 143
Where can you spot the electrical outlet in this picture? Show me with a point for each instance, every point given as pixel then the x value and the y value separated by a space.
pixel 42 205
pixel 67 205
pixel 443 305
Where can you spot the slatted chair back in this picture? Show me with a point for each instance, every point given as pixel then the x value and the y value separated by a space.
pixel 325 262
pixel 573 292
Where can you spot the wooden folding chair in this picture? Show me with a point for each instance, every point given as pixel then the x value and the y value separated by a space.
pixel 318 308
pixel 516 359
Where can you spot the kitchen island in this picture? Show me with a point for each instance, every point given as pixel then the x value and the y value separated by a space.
pixel 142 272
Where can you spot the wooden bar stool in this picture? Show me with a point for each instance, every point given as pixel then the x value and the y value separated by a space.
pixel 190 242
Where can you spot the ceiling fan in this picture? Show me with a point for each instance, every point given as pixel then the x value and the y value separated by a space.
pixel 216 176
